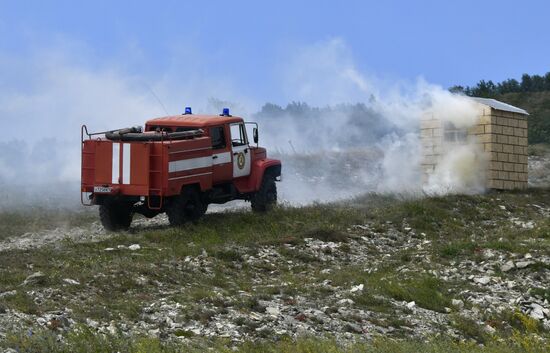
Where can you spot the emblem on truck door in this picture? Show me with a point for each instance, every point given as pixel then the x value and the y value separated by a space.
pixel 241 160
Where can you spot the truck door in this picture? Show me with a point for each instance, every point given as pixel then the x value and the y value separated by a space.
pixel 221 155
pixel 240 150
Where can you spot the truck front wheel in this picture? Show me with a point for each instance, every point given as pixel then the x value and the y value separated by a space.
pixel 115 216
pixel 266 197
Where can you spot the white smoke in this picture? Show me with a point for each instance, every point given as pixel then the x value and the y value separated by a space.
pixel 46 96
pixel 325 73
pixel 461 167
pixel 460 170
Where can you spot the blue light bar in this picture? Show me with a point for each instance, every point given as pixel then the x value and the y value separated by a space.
pixel 225 112
pixel 188 110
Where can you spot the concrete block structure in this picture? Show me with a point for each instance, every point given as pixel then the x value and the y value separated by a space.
pixel 500 133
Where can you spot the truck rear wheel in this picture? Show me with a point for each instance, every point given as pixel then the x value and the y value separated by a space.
pixel 266 197
pixel 115 216
pixel 188 206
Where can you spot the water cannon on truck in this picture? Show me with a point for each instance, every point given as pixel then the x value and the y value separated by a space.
pixel 177 165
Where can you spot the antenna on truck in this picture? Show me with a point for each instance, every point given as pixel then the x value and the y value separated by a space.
pixel 157 98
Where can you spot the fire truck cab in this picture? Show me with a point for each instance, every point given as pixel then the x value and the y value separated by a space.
pixel 178 165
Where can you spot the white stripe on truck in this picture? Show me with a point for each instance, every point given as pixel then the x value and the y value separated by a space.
pixel 223 158
pixel 200 162
pixel 126 158
pixel 188 164
pixel 116 163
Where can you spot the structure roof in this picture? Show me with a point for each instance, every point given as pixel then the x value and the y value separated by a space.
pixel 192 120
pixel 493 103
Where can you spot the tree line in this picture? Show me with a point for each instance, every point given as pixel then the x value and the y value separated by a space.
pixel 487 89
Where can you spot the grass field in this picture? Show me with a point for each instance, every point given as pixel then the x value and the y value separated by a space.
pixel 217 269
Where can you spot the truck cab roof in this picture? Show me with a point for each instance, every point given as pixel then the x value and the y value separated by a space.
pixel 196 121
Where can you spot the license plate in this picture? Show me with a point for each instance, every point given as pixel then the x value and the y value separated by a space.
pixel 103 189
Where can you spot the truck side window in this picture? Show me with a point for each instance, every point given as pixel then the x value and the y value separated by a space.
pixel 238 135
pixel 218 137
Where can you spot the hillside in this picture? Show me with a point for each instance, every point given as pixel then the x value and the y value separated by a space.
pixel 538 106
pixel 375 274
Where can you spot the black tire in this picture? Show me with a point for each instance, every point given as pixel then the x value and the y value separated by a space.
pixel 188 206
pixel 266 197
pixel 115 216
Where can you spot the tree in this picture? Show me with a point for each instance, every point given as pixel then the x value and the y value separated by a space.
pixel 509 86
pixel 538 83
pixel 484 89
pixel 535 83
pixel 526 83
pixel 270 109
pixel 547 82
pixel 457 89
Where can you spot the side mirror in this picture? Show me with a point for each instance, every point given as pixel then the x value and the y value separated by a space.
pixel 255 135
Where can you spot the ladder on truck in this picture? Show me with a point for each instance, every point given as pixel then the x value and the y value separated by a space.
pixel 156 161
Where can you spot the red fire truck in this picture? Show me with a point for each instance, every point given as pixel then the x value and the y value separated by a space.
pixel 178 165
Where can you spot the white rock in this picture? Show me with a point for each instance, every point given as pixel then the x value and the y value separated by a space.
pixel 357 288
pixel 271 310
pixel 489 329
pixel 92 323
pixel 109 249
pixel 153 332
pixel 35 278
pixel 256 316
pixel 134 247
pixel 345 301
pixel 410 305
pixel 502 207
pixel 482 280
pixel 528 256
pixel 507 266
pixel 71 281
pixel 488 254
pixel 537 313
pixel 141 280
pixel 112 329
pixel 11 293
pixel 457 303
pixel 528 225
pixel 523 264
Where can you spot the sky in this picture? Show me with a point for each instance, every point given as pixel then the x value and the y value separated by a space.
pixel 249 43
pixel 113 64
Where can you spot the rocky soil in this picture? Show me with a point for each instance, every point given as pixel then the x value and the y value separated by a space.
pixel 375 278
pixel 461 267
